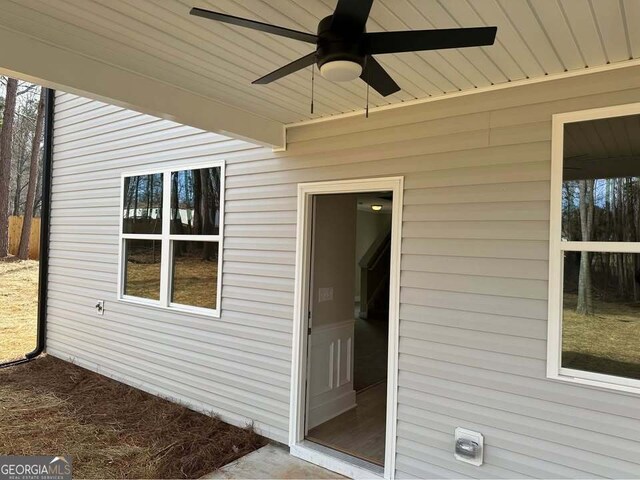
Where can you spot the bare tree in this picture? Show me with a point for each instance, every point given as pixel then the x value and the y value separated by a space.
pixel 585 294
pixel 37 205
pixel 208 197
pixel 27 88
pixel 5 163
pixel 21 143
pixel 197 199
pixel 23 251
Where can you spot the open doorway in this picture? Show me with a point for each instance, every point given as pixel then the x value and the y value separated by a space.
pixel 348 331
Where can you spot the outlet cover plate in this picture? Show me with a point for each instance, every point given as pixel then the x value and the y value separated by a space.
pixel 470 438
pixel 325 294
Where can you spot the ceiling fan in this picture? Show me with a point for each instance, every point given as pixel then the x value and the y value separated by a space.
pixel 344 49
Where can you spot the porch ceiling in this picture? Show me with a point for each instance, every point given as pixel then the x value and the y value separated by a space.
pixel 157 39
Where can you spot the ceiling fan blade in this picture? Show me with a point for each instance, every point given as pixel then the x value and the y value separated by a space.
pixel 292 67
pixel 255 25
pixel 378 78
pixel 355 12
pixel 417 40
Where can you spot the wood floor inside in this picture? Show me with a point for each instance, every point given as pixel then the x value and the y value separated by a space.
pixel 360 432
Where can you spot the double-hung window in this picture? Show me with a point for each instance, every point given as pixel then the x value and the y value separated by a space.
pixel 594 260
pixel 171 238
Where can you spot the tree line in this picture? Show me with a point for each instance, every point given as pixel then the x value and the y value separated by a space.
pixel 601 210
pixel 194 206
pixel 21 136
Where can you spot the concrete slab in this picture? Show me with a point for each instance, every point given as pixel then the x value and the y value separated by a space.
pixel 270 462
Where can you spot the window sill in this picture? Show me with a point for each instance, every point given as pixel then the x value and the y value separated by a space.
pixel 597 380
pixel 173 307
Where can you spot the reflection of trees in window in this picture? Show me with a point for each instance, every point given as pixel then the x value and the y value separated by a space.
pixel 604 209
pixel 191 232
pixel 195 205
pixel 585 300
pixel 176 222
pixel 195 201
pixel 206 187
pixel 143 204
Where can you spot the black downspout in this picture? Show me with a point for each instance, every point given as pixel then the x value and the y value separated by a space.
pixel 47 164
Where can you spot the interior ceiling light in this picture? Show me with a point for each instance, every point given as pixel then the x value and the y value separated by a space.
pixel 376 208
pixel 344 49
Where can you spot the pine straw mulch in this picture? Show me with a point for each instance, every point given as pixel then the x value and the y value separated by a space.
pixel 52 407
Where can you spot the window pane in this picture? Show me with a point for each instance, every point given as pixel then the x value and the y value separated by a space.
pixel 142 211
pixel 601 180
pixel 601 313
pixel 142 268
pixel 195 202
pixel 195 274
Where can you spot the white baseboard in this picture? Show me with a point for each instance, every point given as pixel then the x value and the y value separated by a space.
pixel 323 412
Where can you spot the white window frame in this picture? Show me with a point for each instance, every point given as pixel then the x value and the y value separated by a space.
pixel 167 239
pixel 557 247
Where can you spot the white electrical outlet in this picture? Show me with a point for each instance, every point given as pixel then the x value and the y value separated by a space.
pixel 99 307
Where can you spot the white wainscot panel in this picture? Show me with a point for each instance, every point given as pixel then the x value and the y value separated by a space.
pixel 330 372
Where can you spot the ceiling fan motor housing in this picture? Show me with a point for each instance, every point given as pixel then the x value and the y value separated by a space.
pixel 339 41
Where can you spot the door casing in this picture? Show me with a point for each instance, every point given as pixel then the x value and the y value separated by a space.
pixel 297 443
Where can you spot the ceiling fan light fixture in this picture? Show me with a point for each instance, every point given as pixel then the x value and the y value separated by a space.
pixel 341 70
pixel 376 208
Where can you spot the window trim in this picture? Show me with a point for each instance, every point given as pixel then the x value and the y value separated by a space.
pixel 555 371
pixel 167 238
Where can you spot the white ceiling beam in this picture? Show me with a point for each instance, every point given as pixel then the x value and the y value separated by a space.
pixel 34 60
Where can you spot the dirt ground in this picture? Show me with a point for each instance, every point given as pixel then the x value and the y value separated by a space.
pixel 18 307
pixel 111 430
pixel 606 342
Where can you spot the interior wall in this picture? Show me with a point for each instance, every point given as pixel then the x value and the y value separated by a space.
pixel 369 225
pixel 334 253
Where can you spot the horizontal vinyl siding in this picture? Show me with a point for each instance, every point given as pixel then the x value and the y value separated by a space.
pixel 474 270
pixel 237 366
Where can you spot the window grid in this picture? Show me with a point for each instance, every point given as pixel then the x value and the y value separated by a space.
pixel 166 238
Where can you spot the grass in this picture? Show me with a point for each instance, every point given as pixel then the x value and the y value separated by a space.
pixel 18 307
pixel 194 280
pixel 111 430
pixel 143 280
pixel 606 342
